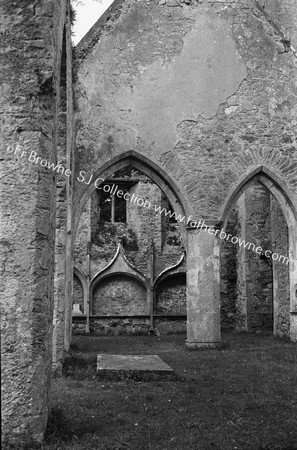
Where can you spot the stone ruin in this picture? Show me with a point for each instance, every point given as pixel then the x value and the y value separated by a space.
pixel 189 105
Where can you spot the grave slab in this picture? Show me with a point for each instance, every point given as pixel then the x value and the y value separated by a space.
pixel 137 363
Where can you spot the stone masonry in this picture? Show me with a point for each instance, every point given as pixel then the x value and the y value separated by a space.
pixel 199 97
pixel 141 229
pixel 31 49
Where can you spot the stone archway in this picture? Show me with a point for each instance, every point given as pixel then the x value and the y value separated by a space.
pixel 278 189
pixel 151 170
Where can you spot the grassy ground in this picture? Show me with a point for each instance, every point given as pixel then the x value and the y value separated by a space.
pixel 243 396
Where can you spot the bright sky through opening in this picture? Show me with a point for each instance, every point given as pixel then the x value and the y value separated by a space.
pixel 87 13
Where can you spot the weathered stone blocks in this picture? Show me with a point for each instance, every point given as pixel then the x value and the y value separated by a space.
pixel 30 75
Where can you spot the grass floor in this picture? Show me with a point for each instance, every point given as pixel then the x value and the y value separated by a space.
pixel 243 396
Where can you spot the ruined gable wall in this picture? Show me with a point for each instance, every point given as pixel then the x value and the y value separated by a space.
pixel 206 90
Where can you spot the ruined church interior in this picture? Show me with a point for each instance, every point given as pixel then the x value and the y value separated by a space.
pixel 149 186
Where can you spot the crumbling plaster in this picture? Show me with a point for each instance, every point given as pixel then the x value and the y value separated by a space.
pixel 161 81
pixel 194 68
pixel 157 80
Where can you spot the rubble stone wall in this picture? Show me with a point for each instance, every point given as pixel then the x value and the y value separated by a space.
pixel 144 226
pixel 258 270
pixel 205 116
pixel 30 78
pixel 229 273
pixel 205 91
pixel 262 288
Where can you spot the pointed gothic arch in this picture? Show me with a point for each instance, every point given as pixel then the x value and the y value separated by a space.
pixel 149 168
pixel 266 177
pixel 288 204
pixel 106 170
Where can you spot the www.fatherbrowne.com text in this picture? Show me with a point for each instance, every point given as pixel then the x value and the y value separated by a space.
pixel 144 203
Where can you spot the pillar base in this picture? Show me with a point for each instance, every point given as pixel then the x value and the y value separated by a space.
pixel 193 345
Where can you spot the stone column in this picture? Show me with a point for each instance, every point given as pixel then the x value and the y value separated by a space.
pixel 203 289
pixel 63 252
pixel 293 279
pixel 59 298
pixel 28 81
pixel 281 275
pixel 69 192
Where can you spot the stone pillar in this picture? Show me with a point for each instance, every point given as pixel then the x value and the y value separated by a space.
pixel 28 81
pixel 59 298
pixel 61 206
pixel 27 237
pixel 281 275
pixel 293 279
pixel 63 252
pixel 203 289
pixel 241 279
pixel 69 192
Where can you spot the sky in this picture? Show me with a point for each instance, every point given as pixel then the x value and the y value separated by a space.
pixel 87 13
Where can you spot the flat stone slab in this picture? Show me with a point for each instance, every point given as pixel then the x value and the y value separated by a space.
pixel 138 363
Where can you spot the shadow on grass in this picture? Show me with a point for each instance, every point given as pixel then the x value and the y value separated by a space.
pixel 268 447
pixel 237 398
pixel 58 427
pixel 79 368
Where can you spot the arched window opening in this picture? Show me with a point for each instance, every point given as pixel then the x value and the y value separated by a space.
pixel 255 276
pixel 150 242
